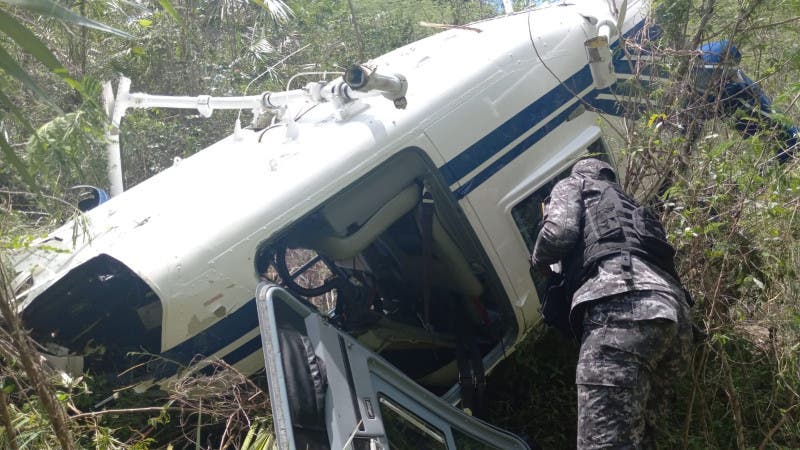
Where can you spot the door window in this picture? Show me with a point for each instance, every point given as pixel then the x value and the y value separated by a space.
pixel 528 213
pixel 407 431
pixel 464 441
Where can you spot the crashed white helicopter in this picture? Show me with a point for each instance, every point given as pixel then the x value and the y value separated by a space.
pixel 415 181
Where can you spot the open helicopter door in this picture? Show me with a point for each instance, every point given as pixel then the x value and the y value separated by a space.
pixel 328 391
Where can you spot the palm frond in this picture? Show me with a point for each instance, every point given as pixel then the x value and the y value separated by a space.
pixel 53 9
pixel 278 9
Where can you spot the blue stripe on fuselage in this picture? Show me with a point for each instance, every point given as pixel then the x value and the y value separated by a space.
pixel 517 150
pixel 500 137
pixel 494 142
pixel 244 351
pixel 217 336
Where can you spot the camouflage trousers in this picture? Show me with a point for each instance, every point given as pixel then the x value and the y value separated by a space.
pixel 629 359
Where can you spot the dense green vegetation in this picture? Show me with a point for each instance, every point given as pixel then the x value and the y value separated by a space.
pixel 730 211
pixel 732 214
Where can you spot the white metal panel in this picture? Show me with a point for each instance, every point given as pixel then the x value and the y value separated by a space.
pixel 191 231
pixel 510 79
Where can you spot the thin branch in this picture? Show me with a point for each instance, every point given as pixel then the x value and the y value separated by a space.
pixel 444 26
pixel 123 411
pixel 357 30
pixel 773 24
pixel 768 438
pixel 736 406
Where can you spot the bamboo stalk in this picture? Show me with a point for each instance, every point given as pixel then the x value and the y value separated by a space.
pixel 30 363
pixel 5 417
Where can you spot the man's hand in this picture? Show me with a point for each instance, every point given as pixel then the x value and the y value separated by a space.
pixel 540 268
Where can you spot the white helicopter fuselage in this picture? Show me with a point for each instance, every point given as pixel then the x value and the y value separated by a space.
pixel 497 109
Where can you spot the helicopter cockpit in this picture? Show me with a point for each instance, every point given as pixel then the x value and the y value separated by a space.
pixel 389 261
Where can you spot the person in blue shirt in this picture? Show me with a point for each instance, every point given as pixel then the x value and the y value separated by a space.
pixel 720 81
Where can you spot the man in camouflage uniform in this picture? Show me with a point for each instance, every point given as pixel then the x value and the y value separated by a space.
pixel 629 307
pixel 721 83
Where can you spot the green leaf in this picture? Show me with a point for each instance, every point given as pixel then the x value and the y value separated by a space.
pixel 145 23
pixel 53 9
pixel 168 8
pixel 28 41
pixel 4 100
pixel 8 386
pixel 35 47
pixel 655 118
pixel 11 67
pixel 18 164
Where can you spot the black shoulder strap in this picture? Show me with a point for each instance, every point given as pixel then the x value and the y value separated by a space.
pixel 471 373
pixel 426 226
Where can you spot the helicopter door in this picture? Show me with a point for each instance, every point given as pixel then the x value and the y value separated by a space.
pixel 329 391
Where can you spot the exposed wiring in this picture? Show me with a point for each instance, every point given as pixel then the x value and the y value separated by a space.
pixel 304 112
pixel 276 125
pixel 562 83
pixel 269 128
pixel 270 69
pixel 323 73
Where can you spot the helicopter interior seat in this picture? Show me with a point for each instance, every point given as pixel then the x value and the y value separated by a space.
pixel 343 246
pixel 450 269
pixel 424 351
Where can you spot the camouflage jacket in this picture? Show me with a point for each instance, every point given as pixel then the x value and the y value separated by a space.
pixel 563 227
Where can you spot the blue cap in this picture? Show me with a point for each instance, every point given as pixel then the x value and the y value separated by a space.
pixel 719 52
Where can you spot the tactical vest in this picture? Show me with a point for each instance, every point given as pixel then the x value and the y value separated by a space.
pixel 614 224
